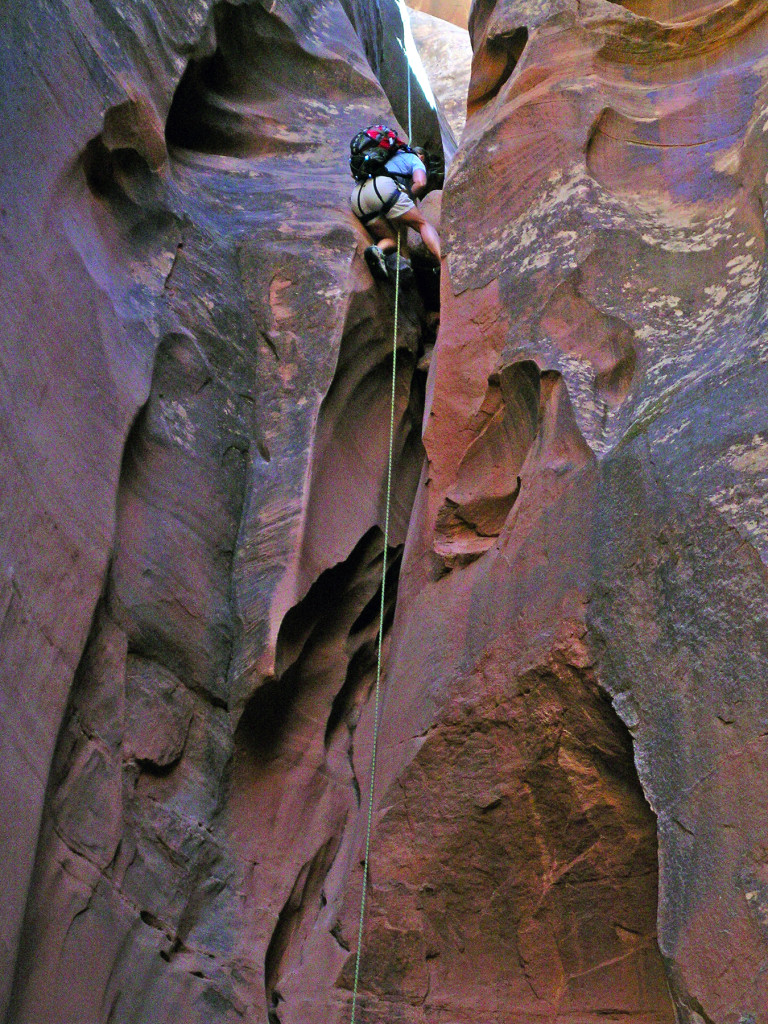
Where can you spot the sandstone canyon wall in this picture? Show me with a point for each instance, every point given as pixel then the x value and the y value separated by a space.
pixel 591 523
pixel 446 52
pixel 454 11
pixel 570 817
pixel 194 364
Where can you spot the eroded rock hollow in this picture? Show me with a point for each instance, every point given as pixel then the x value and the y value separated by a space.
pixel 570 820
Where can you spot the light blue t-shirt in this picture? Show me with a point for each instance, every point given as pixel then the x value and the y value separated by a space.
pixel 405 163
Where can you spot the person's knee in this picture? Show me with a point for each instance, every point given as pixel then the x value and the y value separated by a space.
pixel 414 218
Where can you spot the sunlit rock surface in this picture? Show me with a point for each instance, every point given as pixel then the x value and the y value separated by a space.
pixel 446 52
pixel 455 11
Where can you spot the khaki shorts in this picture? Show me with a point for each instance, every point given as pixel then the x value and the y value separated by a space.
pixel 371 195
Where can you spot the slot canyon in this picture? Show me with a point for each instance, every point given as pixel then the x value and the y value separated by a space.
pixel 570 809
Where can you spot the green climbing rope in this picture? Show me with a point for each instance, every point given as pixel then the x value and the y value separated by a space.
pixel 377 691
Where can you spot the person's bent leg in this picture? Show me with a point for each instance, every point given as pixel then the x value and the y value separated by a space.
pixel 384 233
pixel 415 219
pixel 431 239
pixel 376 255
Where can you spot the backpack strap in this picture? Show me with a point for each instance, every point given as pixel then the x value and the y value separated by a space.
pixel 401 180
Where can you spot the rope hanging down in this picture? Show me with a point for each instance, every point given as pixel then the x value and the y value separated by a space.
pixel 377 691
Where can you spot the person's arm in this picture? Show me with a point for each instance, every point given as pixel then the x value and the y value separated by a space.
pixel 419 183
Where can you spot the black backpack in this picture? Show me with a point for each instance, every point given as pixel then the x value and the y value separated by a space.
pixel 370 150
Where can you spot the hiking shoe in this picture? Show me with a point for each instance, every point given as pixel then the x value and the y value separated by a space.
pixel 406 270
pixel 374 257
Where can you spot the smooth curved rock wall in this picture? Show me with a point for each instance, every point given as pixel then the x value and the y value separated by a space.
pixel 446 52
pixel 570 819
pixel 195 371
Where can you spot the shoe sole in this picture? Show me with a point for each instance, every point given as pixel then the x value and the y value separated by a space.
pixel 376 265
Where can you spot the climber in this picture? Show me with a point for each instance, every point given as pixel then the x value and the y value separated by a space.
pixel 386 201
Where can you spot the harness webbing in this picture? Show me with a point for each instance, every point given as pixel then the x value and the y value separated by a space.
pixel 386 205
pixel 377 691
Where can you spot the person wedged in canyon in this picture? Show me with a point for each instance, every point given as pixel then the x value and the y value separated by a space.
pixel 385 200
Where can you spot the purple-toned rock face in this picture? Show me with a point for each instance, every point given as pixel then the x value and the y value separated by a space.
pixel 570 819
pixel 195 373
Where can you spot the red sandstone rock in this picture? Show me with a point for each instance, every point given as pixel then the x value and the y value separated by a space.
pixel 446 52
pixel 454 11
pixel 594 437
pixel 193 346
pixel 570 815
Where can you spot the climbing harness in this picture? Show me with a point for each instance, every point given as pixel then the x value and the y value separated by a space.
pixel 386 205
pixel 377 690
